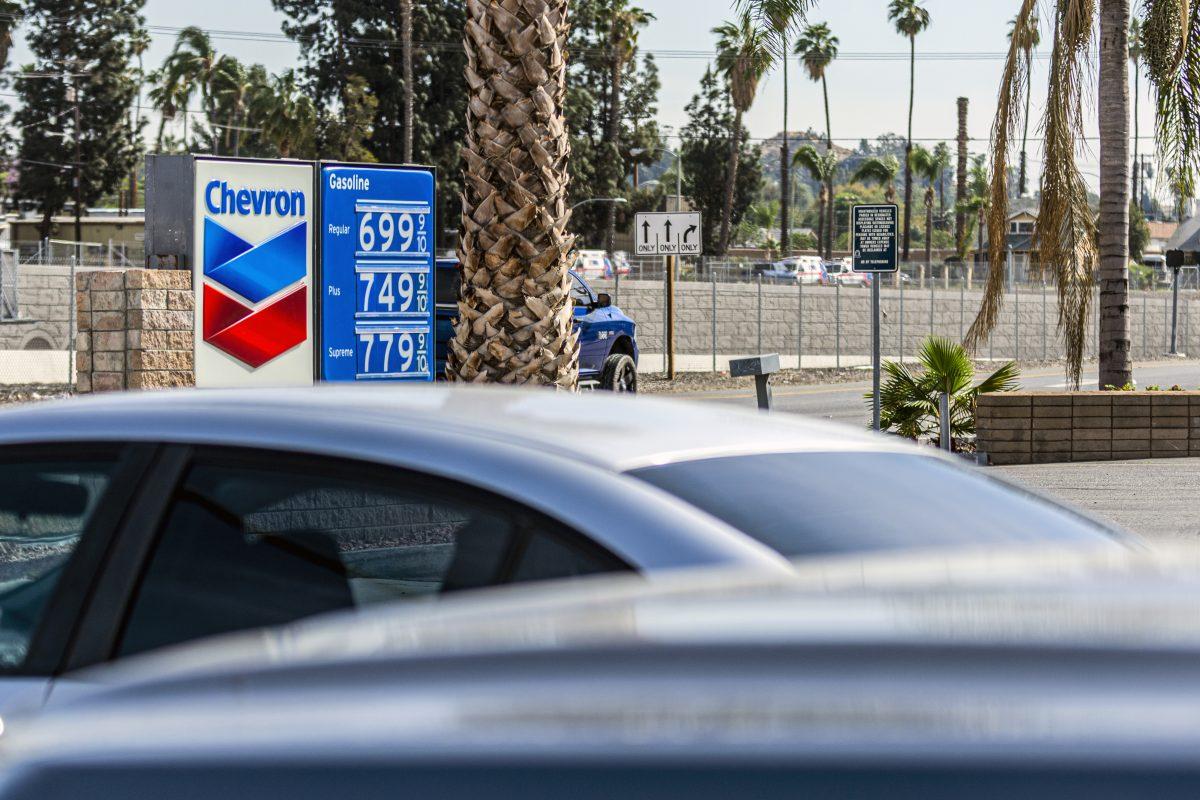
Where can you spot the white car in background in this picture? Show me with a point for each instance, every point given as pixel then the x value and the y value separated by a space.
pixel 807 269
pixel 841 273
pixel 593 264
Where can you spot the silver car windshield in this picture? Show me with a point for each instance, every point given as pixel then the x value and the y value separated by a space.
pixel 866 501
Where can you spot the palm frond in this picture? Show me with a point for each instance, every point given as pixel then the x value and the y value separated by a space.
pixel 948 367
pixel 1170 45
pixel 1004 128
pixel 1005 379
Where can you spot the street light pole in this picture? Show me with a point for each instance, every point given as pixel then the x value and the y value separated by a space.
pixel 78 167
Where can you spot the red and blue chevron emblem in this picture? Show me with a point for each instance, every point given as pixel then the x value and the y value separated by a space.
pixel 264 312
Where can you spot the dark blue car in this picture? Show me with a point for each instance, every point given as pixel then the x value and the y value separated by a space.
pixel 608 351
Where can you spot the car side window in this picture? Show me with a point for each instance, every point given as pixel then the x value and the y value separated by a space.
pixel 580 294
pixel 47 499
pixel 256 541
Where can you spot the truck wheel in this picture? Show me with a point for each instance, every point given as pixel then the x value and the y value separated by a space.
pixel 619 375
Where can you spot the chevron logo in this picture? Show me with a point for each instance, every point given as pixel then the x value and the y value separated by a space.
pixel 257 331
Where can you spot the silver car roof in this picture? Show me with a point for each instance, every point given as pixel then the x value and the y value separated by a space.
pixel 1065 650
pixel 613 432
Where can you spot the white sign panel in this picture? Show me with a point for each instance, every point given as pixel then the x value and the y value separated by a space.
pixel 253 273
pixel 667 234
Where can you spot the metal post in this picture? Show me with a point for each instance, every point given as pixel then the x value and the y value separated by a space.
pixel 616 284
pixel 799 324
pixel 1044 331
pixel 1174 351
pixel 1145 335
pixel 901 316
pixel 759 347
pixel 71 327
pixel 944 418
pixel 666 283
pixel 932 298
pixel 1017 322
pixel 714 320
pixel 670 318
pixel 875 351
pixel 962 311
pixel 837 293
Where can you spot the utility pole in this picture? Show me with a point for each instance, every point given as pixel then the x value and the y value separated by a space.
pixel 406 55
pixel 78 167
pixel 960 219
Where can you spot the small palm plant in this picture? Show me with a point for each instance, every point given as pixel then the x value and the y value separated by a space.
pixel 910 402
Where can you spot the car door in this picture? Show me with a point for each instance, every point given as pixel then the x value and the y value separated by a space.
pixel 60 506
pixel 593 344
pixel 251 538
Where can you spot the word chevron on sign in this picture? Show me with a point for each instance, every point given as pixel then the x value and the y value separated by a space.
pixel 675 234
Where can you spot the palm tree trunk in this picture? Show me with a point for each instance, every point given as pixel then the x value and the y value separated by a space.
pixel 162 124
pixel 1136 91
pixel 785 169
pixel 1021 184
pixel 912 88
pixel 821 240
pixel 832 173
pixel 406 57
pixel 515 322
pixel 960 186
pixel 929 232
pixel 613 135
pixel 1116 366
pixel 735 152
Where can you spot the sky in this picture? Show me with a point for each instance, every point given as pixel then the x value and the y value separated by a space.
pixel 868 84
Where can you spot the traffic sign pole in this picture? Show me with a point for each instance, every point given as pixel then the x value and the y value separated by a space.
pixel 875 354
pixel 670 318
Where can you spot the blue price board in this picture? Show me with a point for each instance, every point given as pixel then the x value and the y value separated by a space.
pixel 377 273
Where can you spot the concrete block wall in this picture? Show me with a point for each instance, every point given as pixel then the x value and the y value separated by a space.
pixel 135 330
pixel 43 321
pixel 1028 325
pixel 1042 428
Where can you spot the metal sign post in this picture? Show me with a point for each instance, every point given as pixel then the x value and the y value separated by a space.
pixel 1177 259
pixel 671 236
pixel 874 234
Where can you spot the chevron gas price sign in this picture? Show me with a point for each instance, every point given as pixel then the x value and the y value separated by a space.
pixel 377 259
pixel 253 241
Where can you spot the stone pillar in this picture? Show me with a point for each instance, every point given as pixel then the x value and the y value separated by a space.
pixel 135 330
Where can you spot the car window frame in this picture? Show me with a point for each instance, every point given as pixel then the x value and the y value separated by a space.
pixel 61 619
pixel 113 605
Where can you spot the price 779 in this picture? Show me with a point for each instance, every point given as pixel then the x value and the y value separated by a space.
pixel 393 353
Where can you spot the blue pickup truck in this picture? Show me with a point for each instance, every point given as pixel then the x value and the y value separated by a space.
pixel 608 351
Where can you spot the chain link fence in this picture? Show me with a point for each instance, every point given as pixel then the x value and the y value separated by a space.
pixel 37 307
pixel 721 313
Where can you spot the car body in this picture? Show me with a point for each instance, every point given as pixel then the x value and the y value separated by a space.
pixel 132 522
pixel 608 349
pixel 841 273
pixel 593 264
pixel 808 270
pixel 1043 675
pixel 620 260
pixel 775 272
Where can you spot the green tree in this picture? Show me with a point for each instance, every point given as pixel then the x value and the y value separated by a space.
pixel 195 66
pixel 97 53
pixel 927 166
pixel 287 116
pixel 821 167
pixel 1139 233
pixel 817 48
pixel 707 138
pixel 882 171
pixel 743 58
pixel 910 20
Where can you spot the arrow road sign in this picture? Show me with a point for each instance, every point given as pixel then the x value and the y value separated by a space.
pixel 668 234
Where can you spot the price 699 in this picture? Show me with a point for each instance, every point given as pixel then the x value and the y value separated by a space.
pixel 383 232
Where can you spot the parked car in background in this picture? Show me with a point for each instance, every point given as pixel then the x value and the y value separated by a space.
pixel 1039 676
pixel 593 264
pixel 134 522
pixel 621 263
pixel 779 272
pixel 810 270
pixel 608 349
pixel 841 272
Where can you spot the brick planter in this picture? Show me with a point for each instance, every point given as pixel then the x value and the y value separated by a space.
pixel 1043 428
pixel 135 330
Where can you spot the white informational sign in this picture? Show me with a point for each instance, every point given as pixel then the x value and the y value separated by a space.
pixel 253 273
pixel 675 234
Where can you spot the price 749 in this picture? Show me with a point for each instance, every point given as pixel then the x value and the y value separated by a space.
pixel 413 292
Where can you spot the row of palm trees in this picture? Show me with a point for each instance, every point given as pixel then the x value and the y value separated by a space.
pixel 235 100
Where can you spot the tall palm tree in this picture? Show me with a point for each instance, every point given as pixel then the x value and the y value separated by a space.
pixel 944 159
pixel 781 19
pixel 974 203
pixel 910 20
pixel 1135 58
pixel 1066 233
pixel 821 168
pixel 199 67
pixel 926 165
pixel 624 23
pixel 515 321
pixel 235 85
pixel 882 171
pixel 406 59
pixel 817 48
pixel 1026 38
pixel 743 57
pixel 287 115
pixel 166 96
